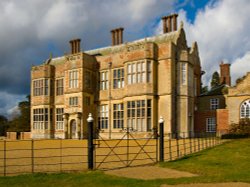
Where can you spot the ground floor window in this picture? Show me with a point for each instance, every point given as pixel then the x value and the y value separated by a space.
pixel 245 109
pixel 59 119
pixel 40 118
pixel 118 116
pixel 139 115
pixel 103 117
pixel 210 125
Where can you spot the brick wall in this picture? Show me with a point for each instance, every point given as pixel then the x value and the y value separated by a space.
pixel 222 121
pixel 200 120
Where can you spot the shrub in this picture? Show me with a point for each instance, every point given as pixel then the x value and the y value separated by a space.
pixel 243 127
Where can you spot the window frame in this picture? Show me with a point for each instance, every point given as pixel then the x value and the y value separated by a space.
pixel 103 117
pixel 118 78
pixel 211 124
pixel 73 78
pixel 214 103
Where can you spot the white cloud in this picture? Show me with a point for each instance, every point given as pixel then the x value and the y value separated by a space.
pixel 222 33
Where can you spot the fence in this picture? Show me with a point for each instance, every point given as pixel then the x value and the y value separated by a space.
pixel 32 156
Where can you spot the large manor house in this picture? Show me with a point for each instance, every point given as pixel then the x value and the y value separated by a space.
pixel 128 86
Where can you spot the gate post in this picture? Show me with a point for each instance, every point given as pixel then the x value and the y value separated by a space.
pixel 90 142
pixel 161 146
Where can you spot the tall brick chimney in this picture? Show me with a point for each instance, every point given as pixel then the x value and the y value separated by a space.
pixel 169 23
pixel 75 45
pixel 117 36
pixel 225 77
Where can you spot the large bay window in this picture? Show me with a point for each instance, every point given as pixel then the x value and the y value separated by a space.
pixel 40 118
pixel 139 115
pixel 139 72
pixel 40 87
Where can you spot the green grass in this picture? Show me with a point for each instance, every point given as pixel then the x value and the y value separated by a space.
pixel 229 162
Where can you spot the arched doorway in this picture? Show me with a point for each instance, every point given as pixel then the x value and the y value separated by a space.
pixel 73 129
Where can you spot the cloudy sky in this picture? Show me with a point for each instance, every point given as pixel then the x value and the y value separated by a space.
pixel 32 29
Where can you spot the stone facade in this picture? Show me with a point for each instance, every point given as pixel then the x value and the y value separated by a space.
pixel 124 86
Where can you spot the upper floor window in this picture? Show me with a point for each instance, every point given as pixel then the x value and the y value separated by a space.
pixel 73 101
pixel 59 119
pixel 118 78
pixel 210 125
pixel 73 79
pixel 183 74
pixel 104 80
pixel 139 72
pixel 87 79
pixel 40 87
pixel 214 103
pixel 245 109
pixel 59 87
pixel 118 116
pixel 103 117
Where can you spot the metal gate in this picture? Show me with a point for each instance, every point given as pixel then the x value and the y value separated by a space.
pixel 126 150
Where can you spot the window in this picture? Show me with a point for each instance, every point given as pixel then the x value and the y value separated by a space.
pixel 210 125
pixel 183 74
pixel 245 109
pixel 214 103
pixel 40 87
pixel 139 115
pixel 118 78
pixel 59 119
pixel 118 116
pixel 73 101
pixel 87 101
pixel 103 117
pixel 40 118
pixel 73 79
pixel 87 79
pixel 138 71
pixel 104 80
pixel 59 87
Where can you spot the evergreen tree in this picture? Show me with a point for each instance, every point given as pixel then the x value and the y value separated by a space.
pixel 215 80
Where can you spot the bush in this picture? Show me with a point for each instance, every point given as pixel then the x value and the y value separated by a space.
pixel 243 127
pixel 238 130
pixel 234 136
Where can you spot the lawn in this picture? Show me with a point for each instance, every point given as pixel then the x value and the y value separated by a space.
pixel 229 162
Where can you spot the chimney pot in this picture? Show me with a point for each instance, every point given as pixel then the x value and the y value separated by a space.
pixel 75 45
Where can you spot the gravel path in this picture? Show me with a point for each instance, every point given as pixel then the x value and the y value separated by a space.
pixel 149 172
pixel 154 172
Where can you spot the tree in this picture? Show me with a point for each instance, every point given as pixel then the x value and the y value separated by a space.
pixel 3 125
pixel 215 80
pixel 204 89
pixel 21 123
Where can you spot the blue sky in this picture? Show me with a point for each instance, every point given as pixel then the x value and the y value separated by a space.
pixel 31 30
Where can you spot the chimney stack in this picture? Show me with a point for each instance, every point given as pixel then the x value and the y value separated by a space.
pixel 75 45
pixel 169 23
pixel 117 36
pixel 225 77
